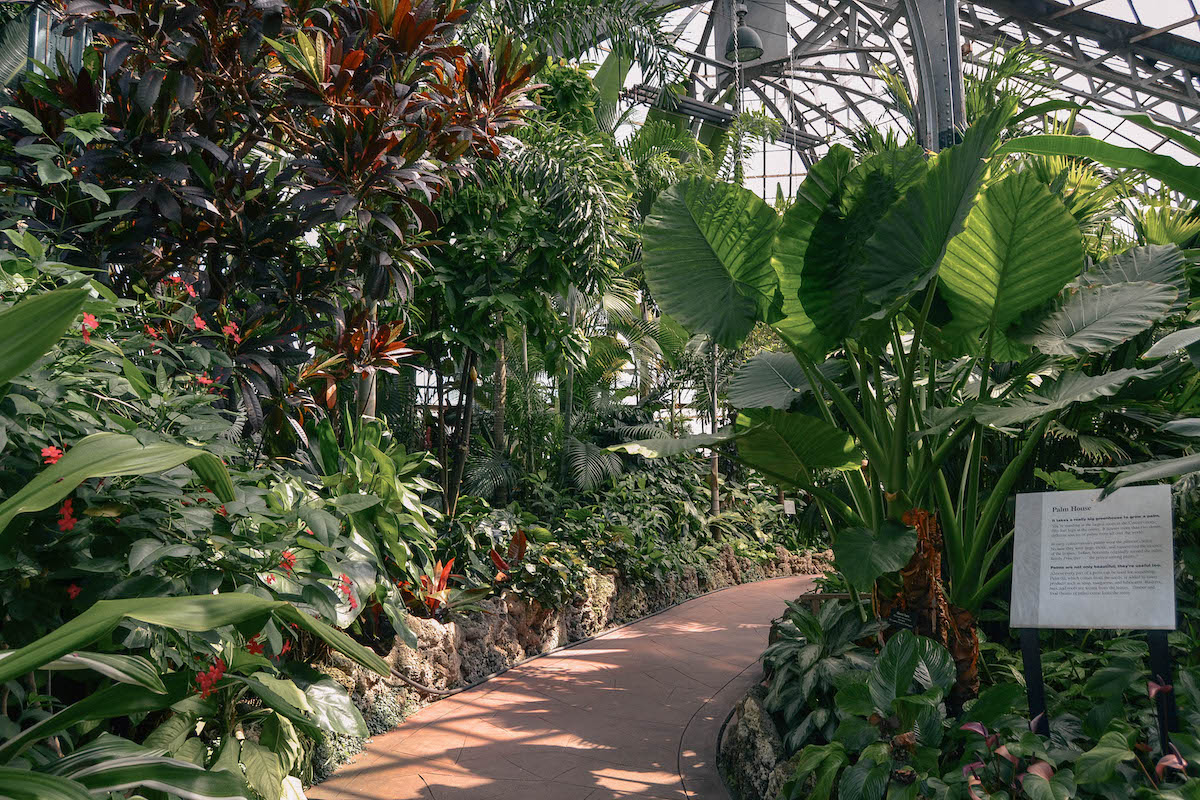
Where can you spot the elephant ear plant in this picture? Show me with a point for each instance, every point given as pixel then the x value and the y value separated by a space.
pixel 940 305
pixel 74 750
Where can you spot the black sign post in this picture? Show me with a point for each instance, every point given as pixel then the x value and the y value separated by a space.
pixel 1035 687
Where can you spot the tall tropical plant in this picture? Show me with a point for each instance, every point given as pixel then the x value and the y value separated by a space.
pixel 954 293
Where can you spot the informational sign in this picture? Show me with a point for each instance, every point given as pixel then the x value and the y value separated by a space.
pixel 1083 562
pixel 789 507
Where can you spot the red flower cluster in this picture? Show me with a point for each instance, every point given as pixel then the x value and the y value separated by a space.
pixel 222 511
pixel 208 680
pixel 287 647
pixel 345 586
pixel 175 279
pixel 191 290
pixel 287 561
pixel 90 323
pixel 73 591
pixel 254 646
pixel 66 518
pixel 232 330
pixel 152 332
pixel 199 322
pixel 51 454
pixel 204 380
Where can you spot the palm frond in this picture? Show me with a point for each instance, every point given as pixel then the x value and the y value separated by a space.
pixel 588 465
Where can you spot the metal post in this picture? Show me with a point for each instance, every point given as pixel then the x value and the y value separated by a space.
pixel 937 50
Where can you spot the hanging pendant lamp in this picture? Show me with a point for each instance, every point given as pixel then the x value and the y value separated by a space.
pixel 744 44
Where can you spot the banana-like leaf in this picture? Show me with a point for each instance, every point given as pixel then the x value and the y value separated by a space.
pixel 169 775
pixel 1097 320
pixel 790 447
pixel 31 327
pixel 774 380
pixel 1155 263
pixel 707 254
pixel 1187 426
pixel 105 455
pixel 664 448
pixel 910 243
pixel 122 668
pixel 1070 388
pixel 202 613
pixel 1178 176
pixel 820 188
pixel 21 784
pixel 1020 246
pixel 1172 343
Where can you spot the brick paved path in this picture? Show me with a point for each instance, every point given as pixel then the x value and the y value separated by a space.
pixel 633 713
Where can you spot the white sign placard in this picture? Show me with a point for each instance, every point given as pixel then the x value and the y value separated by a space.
pixel 789 507
pixel 1083 562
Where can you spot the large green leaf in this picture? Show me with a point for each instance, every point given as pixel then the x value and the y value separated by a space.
pixel 332 708
pixel 102 455
pixel 1155 471
pixel 864 555
pixel 202 613
pixel 820 188
pixel 264 770
pixel 31 327
pixel 1097 320
pixel 1100 763
pixel 1020 246
pixel 910 243
pixel 774 380
pixel 1178 176
pixel 789 447
pixel 1070 388
pixel 891 675
pixel 935 665
pixel 1154 263
pixel 178 778
pixel 833 289
pixel 664 448
pixel 123 668
pixel 707 258
pixel 1173 343
pixel 866 780
pixel 21 784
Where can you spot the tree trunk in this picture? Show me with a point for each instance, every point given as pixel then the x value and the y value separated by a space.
pixel 442 449
pixel 714 479
pixel 500 391
pixel 568 398
pixel 368 384
pixel 922 598
pixel 463 434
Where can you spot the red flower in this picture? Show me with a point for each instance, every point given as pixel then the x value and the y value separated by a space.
pixel 152 332
pixel 208 680
pixel 73 591
pixel 199 322
pixel 87 335
pixel 232 330
pixel 222 511
pixel 270 579
pixel 191 290
pixel 67 520
pixel 254 646
pixel 287 647
pixel 175 279
pixel 345 586
pixel 51 454
pixel 287 561
pixel 204 380
pixel 90 322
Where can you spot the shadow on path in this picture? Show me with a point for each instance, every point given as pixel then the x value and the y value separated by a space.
pixel 631 713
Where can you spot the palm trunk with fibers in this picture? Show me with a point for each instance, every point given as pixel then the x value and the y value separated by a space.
pixel 442 446
pixel 500 390
pixel 921 597
pixel 528 384
pixel 462 439
pixel 714 478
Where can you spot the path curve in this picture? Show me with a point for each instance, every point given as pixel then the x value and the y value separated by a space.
pixel 633 713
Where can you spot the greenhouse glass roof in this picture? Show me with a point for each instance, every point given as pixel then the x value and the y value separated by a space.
pixel 831 67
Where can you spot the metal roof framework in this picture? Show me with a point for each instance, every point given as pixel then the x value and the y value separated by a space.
pixel 824 72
